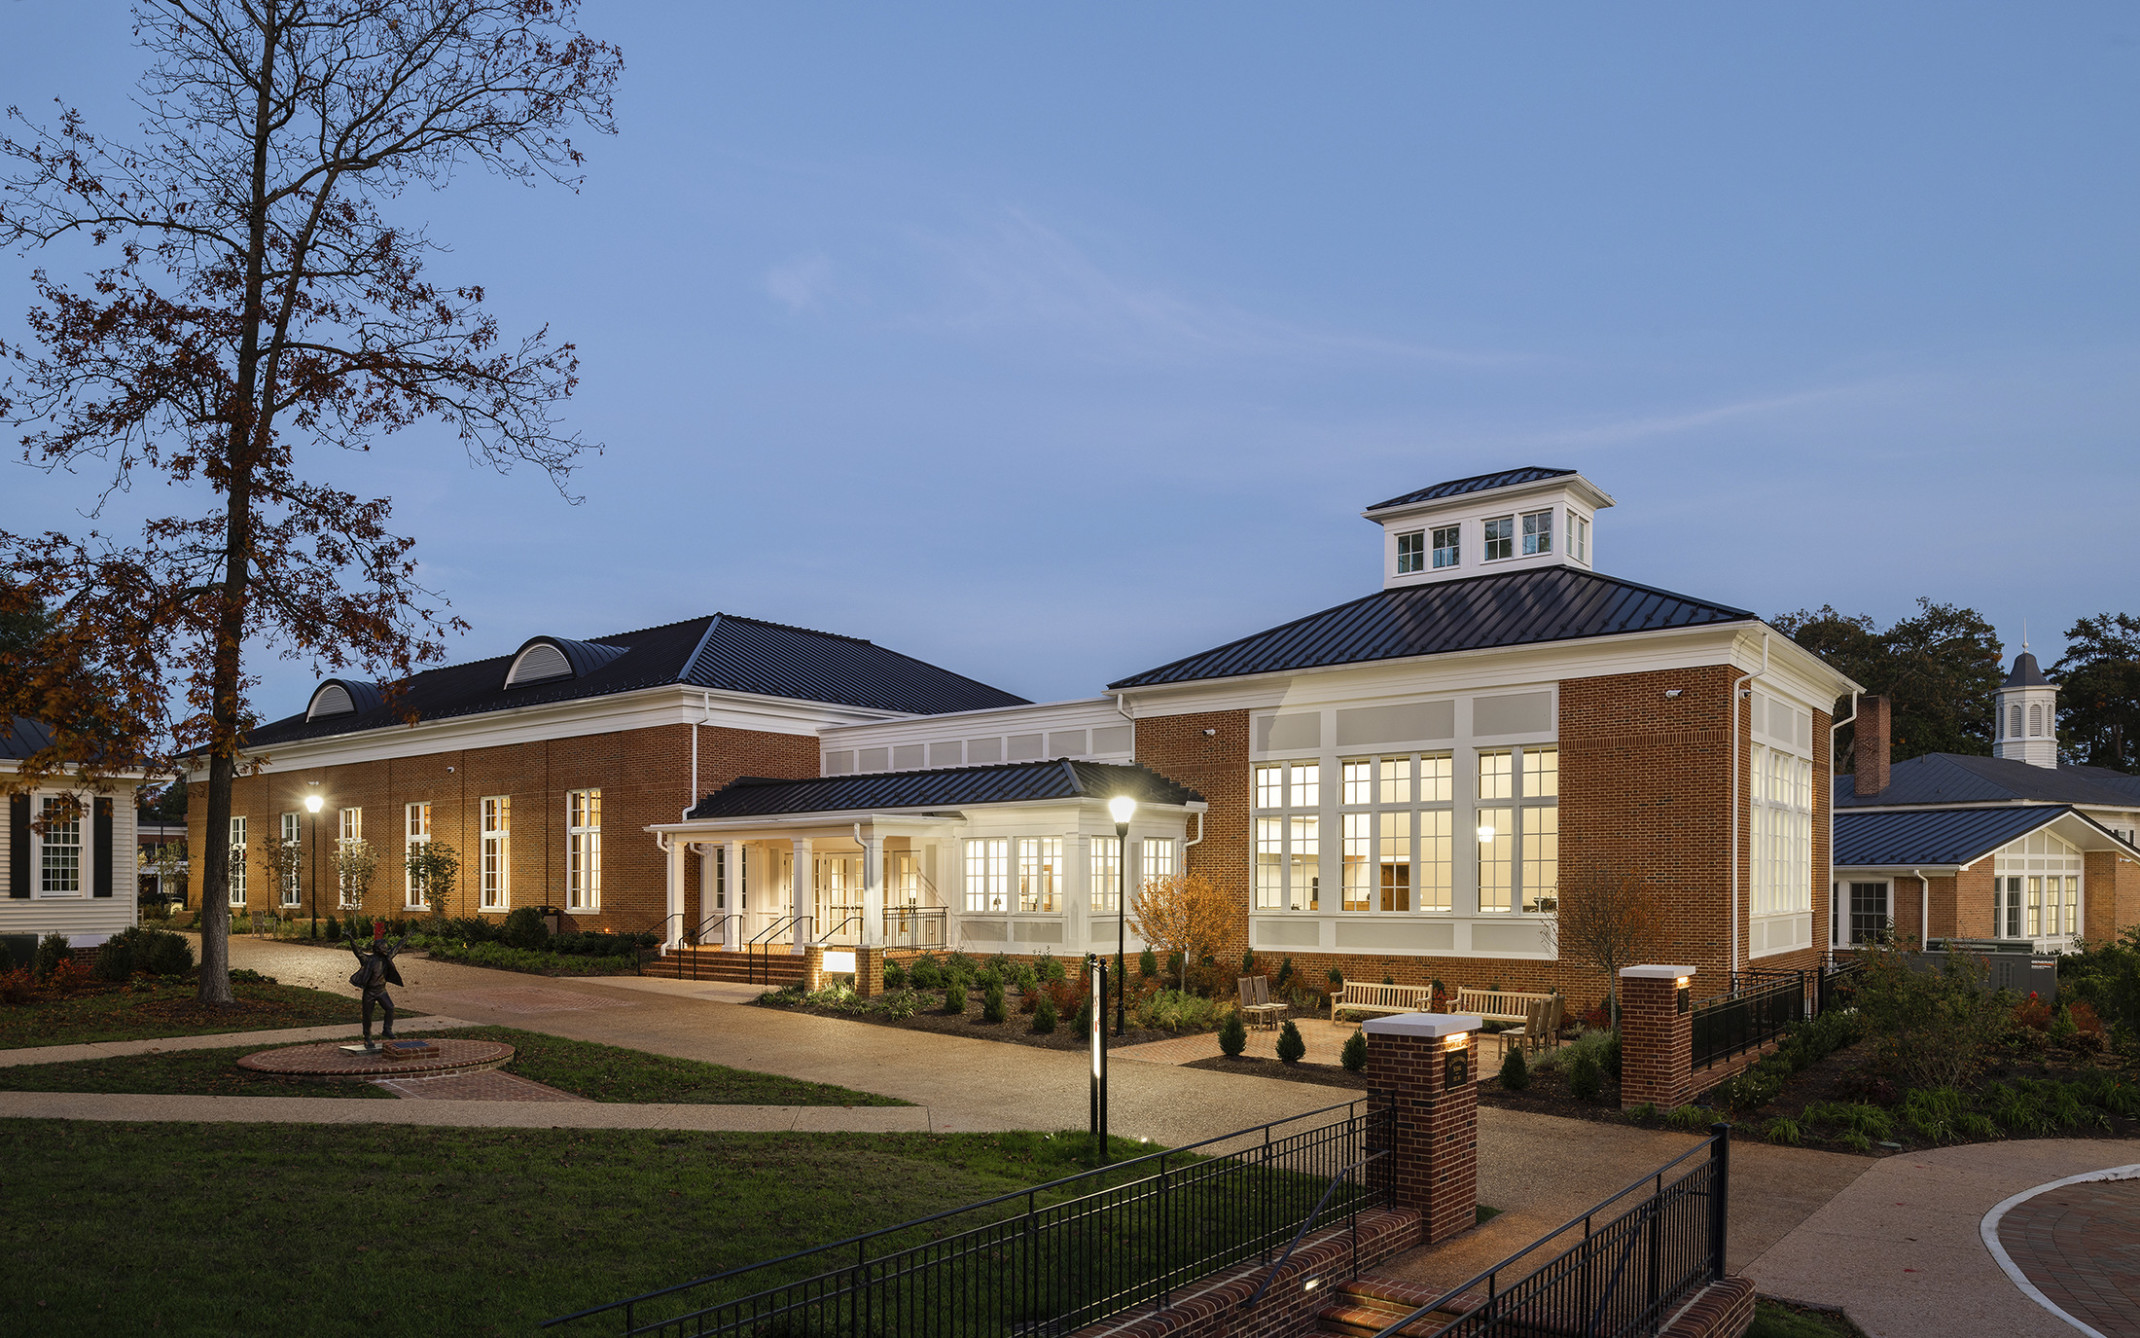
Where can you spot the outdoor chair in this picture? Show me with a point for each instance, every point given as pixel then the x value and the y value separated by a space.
pixel 1541 1026
pixel 1256 1006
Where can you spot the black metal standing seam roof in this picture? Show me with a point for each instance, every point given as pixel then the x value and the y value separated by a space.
pixel 2026 673
pixel 1469 613
pixel 1959 778
pixel 23 738
pixel 1476 483
pixel 952 787
pixel 1934 837
pixel 723 652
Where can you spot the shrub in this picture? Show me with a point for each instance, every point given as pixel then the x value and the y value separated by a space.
pixel 895 976
pixel 1690 1118
pixel 243 975
pixel 1354 1055
pixel 1051 969
pixel 1290 1047
pixel 1084 1016
pixel 1784 1131
pixel 1147 964
pixel 18 986
pixel 1933 1114
pixel 2088 1031
pixel 1515 1070
pixel 993 1007
pixel 1336 977
pixel 1173 1010
pixel 52 949
pixel 1044 1015
pixel 1586 1077
pixel 1932 1027
pixel 925 972
pixel 115 960
pixel 2033 1013
pixel 523 929
pixel 1248 963
pixel 959 964
pixel 1285 974
pixel 1609 1055
pixel 1233 1036
pixel 1026 978
pixel 955 995
pixel 1646 1111
pixel 898 1004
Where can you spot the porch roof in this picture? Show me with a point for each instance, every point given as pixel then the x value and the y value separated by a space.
pixel 950 787
pixel 1954 838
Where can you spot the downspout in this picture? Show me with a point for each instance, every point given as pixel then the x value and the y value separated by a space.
pixel 1924 909
pixel 691 800
pixel 1834 910
pixel 1736 688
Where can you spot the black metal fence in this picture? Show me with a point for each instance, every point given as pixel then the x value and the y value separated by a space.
pixel 1732 1024
pixel 1837 987
pixel 1053 1258
pixel 1623 1277
pixel 916 927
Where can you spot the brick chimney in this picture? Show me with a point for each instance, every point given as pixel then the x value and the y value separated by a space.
pixel 1872 728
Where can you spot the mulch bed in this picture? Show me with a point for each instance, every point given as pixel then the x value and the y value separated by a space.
pixel 1322 1075
pixel 1017 1029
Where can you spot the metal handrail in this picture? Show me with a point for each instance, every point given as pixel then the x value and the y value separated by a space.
pixel 1029 1194
pixel 751 949
pixel 1653 1179
pixel 855 920
pixel 1271 1275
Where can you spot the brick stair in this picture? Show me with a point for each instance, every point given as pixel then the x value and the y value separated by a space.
pixel 774 970
pixel 1367 1306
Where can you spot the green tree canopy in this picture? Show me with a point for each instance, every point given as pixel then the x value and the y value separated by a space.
pixel 2099 692
pixel 1940 669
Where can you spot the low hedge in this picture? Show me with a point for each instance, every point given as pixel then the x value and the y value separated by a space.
pixel 606 963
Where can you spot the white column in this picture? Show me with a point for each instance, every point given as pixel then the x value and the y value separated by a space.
pixel 872 892
pixel 739 930
pixel 1077 892
pixel 802 898
pixel 673 930
pixel 708 889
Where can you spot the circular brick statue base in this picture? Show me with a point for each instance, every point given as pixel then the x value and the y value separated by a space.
pixel 331 1061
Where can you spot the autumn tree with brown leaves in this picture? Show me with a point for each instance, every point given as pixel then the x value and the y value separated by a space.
pixel 1181 913
pixel 1608 920
pixel 257 313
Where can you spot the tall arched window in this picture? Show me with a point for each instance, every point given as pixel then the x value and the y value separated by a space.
pixel 2013 723
pixel 2036 721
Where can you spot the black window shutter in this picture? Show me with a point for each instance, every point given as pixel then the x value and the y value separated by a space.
pixel 18 845
pixel 101 887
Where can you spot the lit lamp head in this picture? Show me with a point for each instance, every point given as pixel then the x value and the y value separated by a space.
pixel 313 802
pixel 1121 808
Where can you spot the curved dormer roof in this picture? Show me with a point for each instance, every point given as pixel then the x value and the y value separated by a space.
pixel 546 659
pixel 343 696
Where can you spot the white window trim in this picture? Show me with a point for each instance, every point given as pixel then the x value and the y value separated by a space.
pixel 85 866
pixel 238 838
pixel 349 829
pixel 1515 545
pixel 584 843
pixel 409 841
pixel 503 837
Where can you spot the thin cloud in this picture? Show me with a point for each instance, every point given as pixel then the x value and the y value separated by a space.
pixel 1019 274
pixel 801 283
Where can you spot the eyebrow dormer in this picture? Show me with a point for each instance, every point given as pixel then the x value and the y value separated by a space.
pixel 342 696
pixel 547 659
pixel 1513 520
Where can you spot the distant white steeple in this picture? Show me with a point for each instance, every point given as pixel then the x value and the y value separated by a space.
pixel 2027 727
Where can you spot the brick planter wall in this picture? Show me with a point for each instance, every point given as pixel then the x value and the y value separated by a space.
pixel 1436 1134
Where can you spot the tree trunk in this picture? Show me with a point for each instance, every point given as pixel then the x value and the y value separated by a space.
pixel 214 985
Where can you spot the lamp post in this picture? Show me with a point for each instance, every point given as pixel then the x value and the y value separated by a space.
pixel 1121 808
pixel 314 802
pixel 1098 1041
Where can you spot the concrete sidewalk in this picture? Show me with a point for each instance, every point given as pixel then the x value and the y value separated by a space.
pixel 463 1114
pixel 1899 1250
pixel 267 1040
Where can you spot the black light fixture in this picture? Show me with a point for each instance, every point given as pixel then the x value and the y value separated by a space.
pixel 314 802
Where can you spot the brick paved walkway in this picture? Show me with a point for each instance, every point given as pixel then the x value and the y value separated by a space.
pixel 2080 1245
pixel 451 1055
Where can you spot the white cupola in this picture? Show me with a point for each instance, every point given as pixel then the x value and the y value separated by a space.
pixel 2027 727
pixel 1514 520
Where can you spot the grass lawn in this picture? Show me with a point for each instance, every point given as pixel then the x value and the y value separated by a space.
pixel 165 1006
pixel 598 1072
pixel 383 1230
pixel 1781 1319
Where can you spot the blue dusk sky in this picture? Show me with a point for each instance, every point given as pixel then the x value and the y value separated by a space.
pixel 1051 342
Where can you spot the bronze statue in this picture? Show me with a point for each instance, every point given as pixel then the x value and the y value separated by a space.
pixel 375 971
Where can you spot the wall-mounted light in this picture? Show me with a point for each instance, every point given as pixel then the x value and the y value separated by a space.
pixel 1673 693
pixel 1212 734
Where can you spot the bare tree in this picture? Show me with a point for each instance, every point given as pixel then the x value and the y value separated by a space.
pixel 1609 920
pixel 258 310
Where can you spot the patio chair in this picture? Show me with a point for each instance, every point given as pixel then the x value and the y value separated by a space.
pixel 1256 1006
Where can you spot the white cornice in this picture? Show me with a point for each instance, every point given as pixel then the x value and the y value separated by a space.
pixel 669 704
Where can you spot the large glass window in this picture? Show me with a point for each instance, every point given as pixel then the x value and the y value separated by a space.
pixel 988 873
pixel 237 861
pixel 583 850
pixel 1578 537
pixel 1782 832
pixel 1106 887
pixel 1538 532
pixel 1411 552
pixel 497 835
pixel 415 834
pixel 1156 858
pixel 1518 829
pixel 1396 832
pixel 1869 914
pixel 1288 842
pixel 292 894
pixel 1040 872
pixel 1500 538
pixel 1446 546
pixel 2037 888
pixel 59 847
pixel 351 832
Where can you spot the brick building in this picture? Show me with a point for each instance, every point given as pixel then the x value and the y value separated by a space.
pixel 1406 785
pixel 2013 850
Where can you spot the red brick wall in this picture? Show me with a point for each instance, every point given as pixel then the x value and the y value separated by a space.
pixel 644 776
pixel 2111 892
pixel 1656 1044
pixel 1435 1133
pixel 1216 767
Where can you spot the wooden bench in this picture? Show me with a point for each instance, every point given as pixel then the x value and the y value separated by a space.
pixel 1526 1011
pixel 1361 998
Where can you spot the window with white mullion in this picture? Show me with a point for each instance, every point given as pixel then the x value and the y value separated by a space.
pixel 1040 872
pixel 1396 826
pixel 60 861
pixel 237 861
pixel 1780 830
pixel 292 893
pixel 495 871
pixel 583 850
pixel 416 834
pixel 1106 889
pixel 1288 835
pixel 988 874
pixel 1517 829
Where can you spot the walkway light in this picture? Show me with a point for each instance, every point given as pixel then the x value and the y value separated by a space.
pixel 314 802
pixel 1121 808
